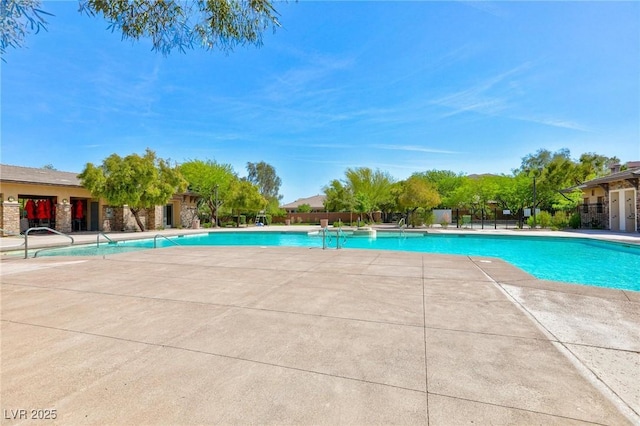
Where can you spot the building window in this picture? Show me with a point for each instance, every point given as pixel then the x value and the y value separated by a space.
pixel 600 205
pixel 585 205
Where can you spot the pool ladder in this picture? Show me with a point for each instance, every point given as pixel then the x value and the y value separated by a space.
pixel 402 225
pixel 341 238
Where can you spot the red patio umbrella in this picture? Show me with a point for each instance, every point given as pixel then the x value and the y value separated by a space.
pixel 30 207
pixel 79 210
pixel 41 210
pixel 47 208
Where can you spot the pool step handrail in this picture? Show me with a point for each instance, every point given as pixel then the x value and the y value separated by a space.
pixel 105 236
pixel 402 225
pixel 41 228
pixel 155 239
pixel 326 238
pixel 340 234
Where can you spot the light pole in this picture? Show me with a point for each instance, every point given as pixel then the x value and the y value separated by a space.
pixel 216 199
pixel 534 201
pixel 531 171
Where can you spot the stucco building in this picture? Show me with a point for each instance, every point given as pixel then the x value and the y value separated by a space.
pixel 613 201
pixel 33 197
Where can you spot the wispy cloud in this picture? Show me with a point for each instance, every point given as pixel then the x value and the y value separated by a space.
pixel 395 167
pixel 500 96
pixel 487 6
pixel 414 148
pixel 555 122
pixel 307 80
pixel 434 64
pixel 484 98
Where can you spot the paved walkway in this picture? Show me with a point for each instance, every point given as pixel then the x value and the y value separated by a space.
pixel 305 336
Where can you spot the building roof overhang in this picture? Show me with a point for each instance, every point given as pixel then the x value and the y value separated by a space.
pixel 316 202
pixel 631 175
pixel 33 176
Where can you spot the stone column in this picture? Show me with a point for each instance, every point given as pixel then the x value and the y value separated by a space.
pixel 118 219
pixel 155 216
pixel 63 217
pixel 10 217
pixel 606 224
pixel 637 211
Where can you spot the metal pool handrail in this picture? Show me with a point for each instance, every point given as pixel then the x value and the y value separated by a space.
pixel 41 228
pixel 339 233
pixel 104 235
pixel 155 238
pixel 402 225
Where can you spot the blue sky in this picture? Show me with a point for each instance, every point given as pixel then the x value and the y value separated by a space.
pixel 401 86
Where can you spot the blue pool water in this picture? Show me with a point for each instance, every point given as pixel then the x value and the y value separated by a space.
pixel 572 260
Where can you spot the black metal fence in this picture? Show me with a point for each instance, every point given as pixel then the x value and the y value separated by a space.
pixel 593 216
pixel 486 219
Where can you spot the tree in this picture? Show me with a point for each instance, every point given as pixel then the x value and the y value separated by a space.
pixel 170 24
pixel 264 176
pixel 476 193
pixel 210 180
pixel 592 165
pixel 18 18
pixel 416 192
pixel 371 189
pixel 364 205
pixel 135 181
pixel 556 171
pixel 243 197
pixel 338 197
pixel 446 182
pixel 304 208
pixel 541 159
pixel 514 194
pixel 567 200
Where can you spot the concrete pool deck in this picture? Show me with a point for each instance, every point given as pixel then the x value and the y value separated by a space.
pixel 304 336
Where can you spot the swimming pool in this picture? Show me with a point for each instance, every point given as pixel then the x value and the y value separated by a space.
pixel 572 260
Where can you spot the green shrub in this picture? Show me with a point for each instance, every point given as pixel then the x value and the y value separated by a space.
pixel 428 218
pixel 361 222
pixel 560 220
pixel 544 219
pixel 415 218
pixel 575 221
